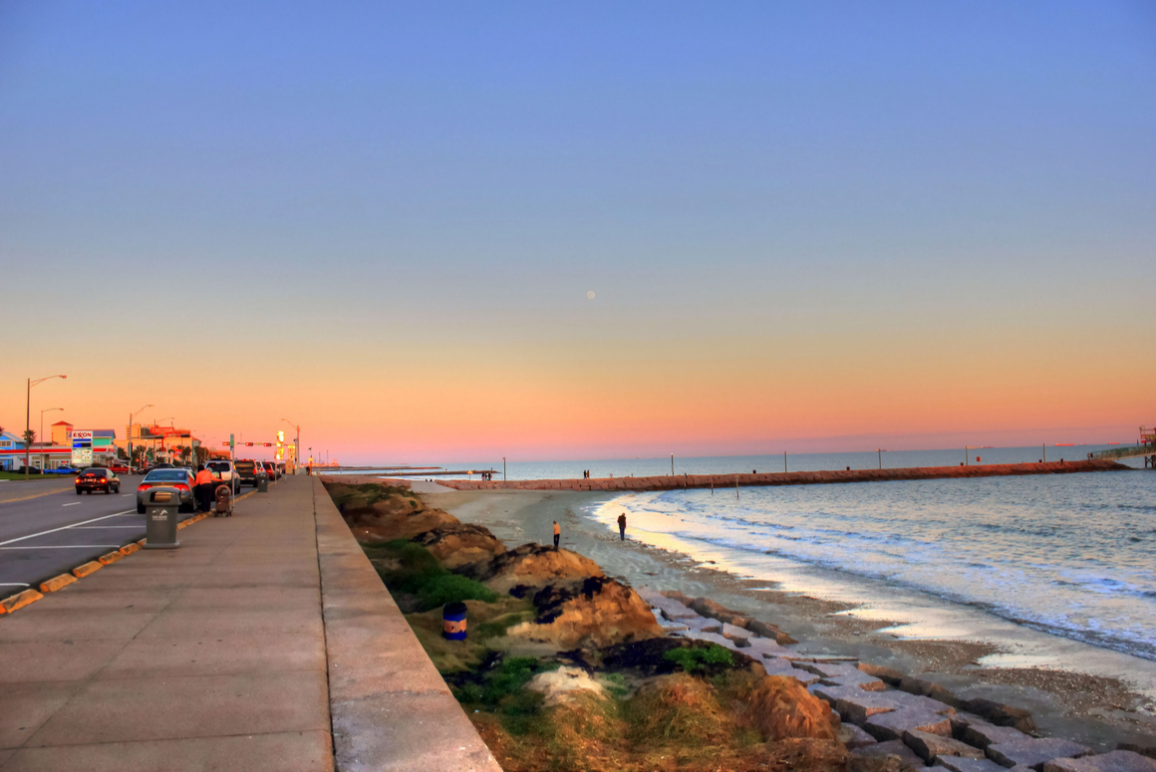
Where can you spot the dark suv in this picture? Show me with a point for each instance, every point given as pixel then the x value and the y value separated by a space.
pixel 247 471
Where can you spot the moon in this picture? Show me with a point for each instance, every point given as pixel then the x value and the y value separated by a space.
pixel 590 294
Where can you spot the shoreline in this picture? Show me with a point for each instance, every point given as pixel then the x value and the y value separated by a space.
pixel 688 481
pixel 1097 710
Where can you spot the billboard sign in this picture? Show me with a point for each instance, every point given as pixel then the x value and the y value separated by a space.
pixel 81 448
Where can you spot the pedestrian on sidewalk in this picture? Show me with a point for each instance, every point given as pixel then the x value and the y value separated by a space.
pixel 622 526
pixel 557 534
pixel 204 484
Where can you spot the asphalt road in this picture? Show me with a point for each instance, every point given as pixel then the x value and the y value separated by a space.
pixel 46 529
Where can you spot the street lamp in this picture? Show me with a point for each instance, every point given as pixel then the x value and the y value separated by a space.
pixel 43 460
pixel 130 415
pixel 28 417
pixel 296 445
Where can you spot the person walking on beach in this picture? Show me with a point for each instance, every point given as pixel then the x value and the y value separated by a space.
pixel 622 526
pixel 557 534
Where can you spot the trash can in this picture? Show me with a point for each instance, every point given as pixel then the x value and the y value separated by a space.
pixel 454 621
pixel 263 483
pixel 161 512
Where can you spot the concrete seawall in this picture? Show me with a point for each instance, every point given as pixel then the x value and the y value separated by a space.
pixel 390 708
pixel 669 482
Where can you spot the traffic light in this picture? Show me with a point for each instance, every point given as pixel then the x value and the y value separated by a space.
pixel 280 436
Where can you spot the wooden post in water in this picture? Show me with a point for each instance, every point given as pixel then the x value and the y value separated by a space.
pixel 736 487
pixel 880 457
pixel 784 462
pixel 503 468
pixel 1044 449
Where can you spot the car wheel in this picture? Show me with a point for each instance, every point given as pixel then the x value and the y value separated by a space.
pixel 140 510
pixel 79 491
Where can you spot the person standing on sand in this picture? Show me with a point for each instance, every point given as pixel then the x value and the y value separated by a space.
pixel 622 526
pixel 557 534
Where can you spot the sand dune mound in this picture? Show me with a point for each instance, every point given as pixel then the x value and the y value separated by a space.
pixel 459 546
pixel 533 566
pixel 602 612
pixel 782 708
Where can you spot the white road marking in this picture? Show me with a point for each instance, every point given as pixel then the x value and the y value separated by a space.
pixel 73 504
pixel 14 584
pixel 125 495
pixel 105 527
pixel 67 547
pixel 66 527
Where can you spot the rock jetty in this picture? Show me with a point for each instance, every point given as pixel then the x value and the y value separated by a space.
pixel 674 482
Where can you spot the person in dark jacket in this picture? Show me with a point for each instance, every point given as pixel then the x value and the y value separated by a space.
pixel 622 526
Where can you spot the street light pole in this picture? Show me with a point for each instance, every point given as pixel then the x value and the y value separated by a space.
pixel 28 418
pixel 43 460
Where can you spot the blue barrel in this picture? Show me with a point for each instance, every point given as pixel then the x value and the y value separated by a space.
pixel 454 621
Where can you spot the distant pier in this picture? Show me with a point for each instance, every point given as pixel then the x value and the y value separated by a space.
pixel 724 481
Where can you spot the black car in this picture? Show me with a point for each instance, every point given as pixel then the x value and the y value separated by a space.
pixel 97 479
pixel 247 471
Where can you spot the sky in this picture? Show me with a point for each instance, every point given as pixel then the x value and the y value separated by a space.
pixel 806 226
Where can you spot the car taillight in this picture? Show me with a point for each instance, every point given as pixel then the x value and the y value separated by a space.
pixel 181 487
pixel 144 486
pixel 78 481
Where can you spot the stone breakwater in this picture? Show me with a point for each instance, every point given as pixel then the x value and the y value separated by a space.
pixel 884 713
pixel 676 482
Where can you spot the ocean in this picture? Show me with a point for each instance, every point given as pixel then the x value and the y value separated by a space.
pixel 1072 556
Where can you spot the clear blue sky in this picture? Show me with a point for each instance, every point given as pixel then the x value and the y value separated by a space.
pixel 748 184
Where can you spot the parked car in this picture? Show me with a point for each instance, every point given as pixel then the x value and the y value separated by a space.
pixel 119 467
pixel 223 472
pixel 247 471
pixel 97 478
pixel 181 479
pixel 28 470
pixel 271 470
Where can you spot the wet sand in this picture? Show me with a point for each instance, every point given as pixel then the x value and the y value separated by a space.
pixel 1094 709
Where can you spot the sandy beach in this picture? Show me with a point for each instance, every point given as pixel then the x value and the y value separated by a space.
pixel 1113 701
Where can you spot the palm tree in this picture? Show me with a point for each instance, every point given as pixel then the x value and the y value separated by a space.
pixel 29 438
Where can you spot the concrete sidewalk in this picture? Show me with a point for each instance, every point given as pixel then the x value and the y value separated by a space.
pixel 213 656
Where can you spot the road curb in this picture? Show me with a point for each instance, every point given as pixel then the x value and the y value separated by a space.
pixel 22 599
pixel 111 558
pixel 87 569
pixel 56 582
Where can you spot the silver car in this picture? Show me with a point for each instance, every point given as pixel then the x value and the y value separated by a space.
pixel 181 479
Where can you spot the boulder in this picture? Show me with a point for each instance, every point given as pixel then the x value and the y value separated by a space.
pixel 854 704
pixel 928 689
pixel 1034 752
pixel 893 725
pixel 964 764
pixel 975 731
pixel 601 612
pixel 533 566
pixel 1113 761
pixel 387 520
pixel 561 685
pixel 853 737
pixel 781 708
pixel 1000 714
pixel 932 747
pixel 874 758
pixel 1143 750
pixel 459 545
pixel 888 675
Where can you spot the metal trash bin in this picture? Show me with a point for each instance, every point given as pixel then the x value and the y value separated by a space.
pixel 263 483
pixel 161 514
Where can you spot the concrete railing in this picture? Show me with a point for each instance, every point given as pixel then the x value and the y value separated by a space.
pixel 390 707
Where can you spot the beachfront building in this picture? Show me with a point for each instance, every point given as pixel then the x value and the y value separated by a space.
pixel 167 444
pixel 9 441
